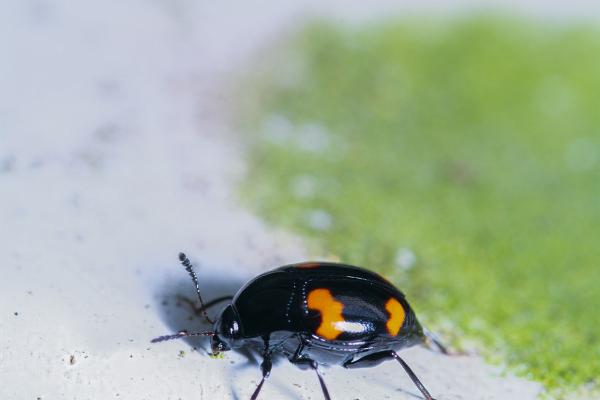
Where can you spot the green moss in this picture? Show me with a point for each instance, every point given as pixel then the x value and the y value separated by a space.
pixel 473 145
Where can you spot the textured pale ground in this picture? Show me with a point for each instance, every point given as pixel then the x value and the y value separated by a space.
pixel 115 154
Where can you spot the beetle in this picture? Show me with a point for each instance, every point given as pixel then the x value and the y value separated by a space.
pixel 315 313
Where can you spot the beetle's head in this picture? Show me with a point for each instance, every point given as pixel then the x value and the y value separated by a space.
pixel 227 331
pixel 225 336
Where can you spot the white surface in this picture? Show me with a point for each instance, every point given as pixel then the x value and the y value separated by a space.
pixel 114 156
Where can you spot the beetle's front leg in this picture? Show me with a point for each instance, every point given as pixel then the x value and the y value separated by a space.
pixel 198 310
pixel 265 367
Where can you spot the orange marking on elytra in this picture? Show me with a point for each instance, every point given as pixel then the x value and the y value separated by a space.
pixel 307 265
pixel 397 315
pixel 331 313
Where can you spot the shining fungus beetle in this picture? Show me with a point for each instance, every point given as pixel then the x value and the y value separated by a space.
pixel 315 313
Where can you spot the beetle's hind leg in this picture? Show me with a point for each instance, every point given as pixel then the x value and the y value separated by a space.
pixel 433 342
pixel 412 376
pixel 377 358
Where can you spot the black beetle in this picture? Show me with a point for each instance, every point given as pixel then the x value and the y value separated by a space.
pixel 315 313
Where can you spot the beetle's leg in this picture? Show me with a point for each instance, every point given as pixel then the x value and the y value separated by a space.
pixel 265 366
pixel 297 357
pixel 305 363
pixel 412 376
pixel 377 358
pixel 432 338
pixel 315 366
pixel 200 310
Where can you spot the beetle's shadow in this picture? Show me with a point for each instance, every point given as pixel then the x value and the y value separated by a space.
pixel 174 299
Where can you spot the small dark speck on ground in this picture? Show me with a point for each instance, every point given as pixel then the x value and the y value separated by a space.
pixel 72 359
pixel 7 164
pixel 16 314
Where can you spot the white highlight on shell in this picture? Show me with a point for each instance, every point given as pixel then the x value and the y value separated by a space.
pixel 352 327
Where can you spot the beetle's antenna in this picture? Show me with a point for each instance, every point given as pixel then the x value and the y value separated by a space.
pixel 190 269
pixel 179 335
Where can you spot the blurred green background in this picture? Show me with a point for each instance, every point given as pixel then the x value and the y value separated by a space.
pixel 461 158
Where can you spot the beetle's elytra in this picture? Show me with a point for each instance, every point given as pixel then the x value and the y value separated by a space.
pixel 314 313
